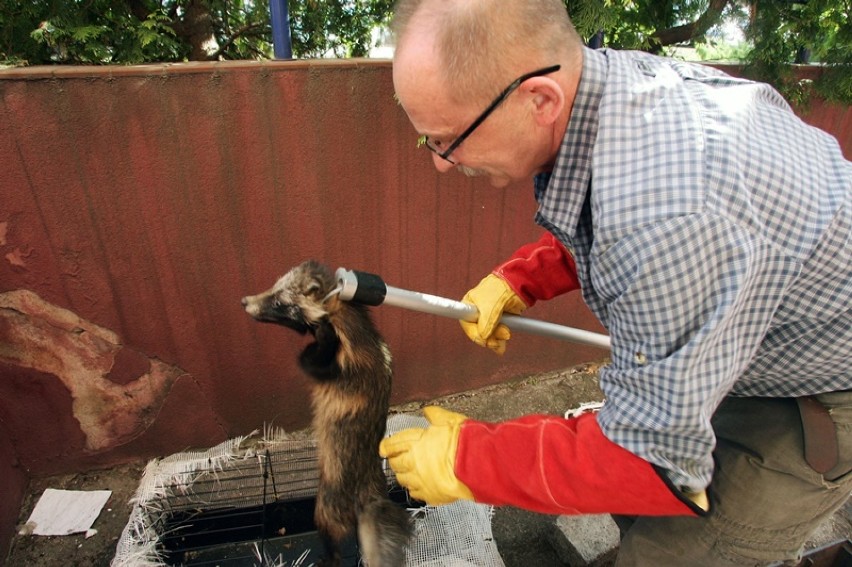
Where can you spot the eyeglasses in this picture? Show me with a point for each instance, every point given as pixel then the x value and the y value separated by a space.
pixel 445 154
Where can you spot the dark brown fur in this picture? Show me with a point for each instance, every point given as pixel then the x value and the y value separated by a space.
pixel 351 365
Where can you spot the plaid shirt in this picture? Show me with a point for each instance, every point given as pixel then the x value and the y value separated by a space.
pixel 711 231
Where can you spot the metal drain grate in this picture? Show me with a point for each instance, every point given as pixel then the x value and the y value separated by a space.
pixel 229 533
pixel 250 501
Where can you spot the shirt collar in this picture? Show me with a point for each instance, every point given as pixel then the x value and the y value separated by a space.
pixel 561 192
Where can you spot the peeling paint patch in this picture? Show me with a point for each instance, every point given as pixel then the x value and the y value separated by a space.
pixel 45 337
pixel 16 257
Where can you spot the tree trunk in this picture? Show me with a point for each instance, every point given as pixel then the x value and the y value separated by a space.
pixel 196 27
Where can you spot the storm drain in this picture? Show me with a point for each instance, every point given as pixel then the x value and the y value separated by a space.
pixel 249 502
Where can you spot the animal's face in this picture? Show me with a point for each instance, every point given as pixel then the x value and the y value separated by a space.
pixel 296 300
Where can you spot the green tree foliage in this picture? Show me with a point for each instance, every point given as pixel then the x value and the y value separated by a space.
pixel 138 31
pixel 648 25
pixel 818 30
pixel 342 28
pixel 779 32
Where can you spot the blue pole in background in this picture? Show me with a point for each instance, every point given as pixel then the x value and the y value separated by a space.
pixel 281 42
pixel 596 41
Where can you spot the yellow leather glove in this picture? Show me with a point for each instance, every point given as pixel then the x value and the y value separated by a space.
pixel 424 458
pixel 492 297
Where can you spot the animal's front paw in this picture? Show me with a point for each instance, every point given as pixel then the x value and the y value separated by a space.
pixel 319 359
pixel 325 334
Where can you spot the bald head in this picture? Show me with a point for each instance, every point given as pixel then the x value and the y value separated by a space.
pixel 478 46
pixel 452 59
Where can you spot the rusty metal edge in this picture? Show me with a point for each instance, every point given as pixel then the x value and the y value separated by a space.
pixel 167 69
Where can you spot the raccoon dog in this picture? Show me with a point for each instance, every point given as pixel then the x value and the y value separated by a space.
pixel 350 364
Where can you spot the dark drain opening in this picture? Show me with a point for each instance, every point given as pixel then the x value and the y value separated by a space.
pixel 278 533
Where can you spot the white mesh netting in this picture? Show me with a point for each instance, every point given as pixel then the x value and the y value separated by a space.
pixel 457 535
pixel 236 475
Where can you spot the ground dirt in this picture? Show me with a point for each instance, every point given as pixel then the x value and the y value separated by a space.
pixel 521 536
pixel 77 550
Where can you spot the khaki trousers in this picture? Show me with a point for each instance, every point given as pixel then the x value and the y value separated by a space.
pixel 766 500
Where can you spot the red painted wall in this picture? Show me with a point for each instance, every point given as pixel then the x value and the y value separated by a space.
pixel 139 204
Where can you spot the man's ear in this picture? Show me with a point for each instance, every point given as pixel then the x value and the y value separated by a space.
pixel 547 98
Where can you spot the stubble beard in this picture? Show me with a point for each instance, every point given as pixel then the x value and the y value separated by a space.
pixel 469 171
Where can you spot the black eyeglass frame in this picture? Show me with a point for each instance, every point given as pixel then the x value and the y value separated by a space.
pixel 487 112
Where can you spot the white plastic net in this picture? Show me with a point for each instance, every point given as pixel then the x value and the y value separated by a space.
pixel 455 535
pixel 235 474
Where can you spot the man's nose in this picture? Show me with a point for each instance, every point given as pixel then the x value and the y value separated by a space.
pixel 441 164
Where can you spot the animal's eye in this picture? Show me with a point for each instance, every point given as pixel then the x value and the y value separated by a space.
pixel 313 288
pixel 276 303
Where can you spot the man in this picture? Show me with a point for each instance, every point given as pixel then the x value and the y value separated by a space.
pixel 710 230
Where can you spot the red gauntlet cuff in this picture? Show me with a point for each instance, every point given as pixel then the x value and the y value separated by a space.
pixel 561 466
pixel 540 270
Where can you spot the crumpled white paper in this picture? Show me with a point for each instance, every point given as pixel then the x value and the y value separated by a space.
pixel 65 512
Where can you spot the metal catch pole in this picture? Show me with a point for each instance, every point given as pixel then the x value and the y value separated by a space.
pixel 370 289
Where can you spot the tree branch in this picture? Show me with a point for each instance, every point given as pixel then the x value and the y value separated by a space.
pixel 242 30
pixel 685 32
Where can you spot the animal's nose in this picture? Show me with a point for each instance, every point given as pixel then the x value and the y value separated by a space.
pixel 244 301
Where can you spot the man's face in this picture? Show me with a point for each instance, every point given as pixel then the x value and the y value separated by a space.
pixel 495 149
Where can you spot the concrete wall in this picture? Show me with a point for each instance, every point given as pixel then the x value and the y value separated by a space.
pixel 138 204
